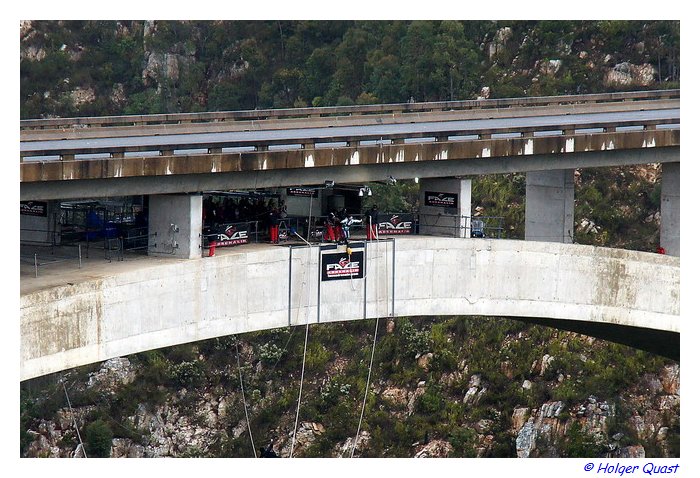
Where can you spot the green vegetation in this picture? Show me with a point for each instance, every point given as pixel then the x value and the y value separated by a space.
pixel 98 439
pixel 232 65
pixel 246 65
pixel 501 352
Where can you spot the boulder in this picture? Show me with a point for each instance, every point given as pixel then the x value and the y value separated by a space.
pixel 520 416
pixel 434 449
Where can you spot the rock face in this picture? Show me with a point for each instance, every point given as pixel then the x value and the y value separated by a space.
pixel 306 435
pixel 207 419
pixel 541 430
pixel 344 450
pixel 434 449
pixel 476 391
pixel 628 74
pixel 499 41
pixel 114 373
pixel 162 66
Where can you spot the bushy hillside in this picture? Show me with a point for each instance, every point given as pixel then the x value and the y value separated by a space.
pixel 448 387
pixel 459 386
pixel 71 68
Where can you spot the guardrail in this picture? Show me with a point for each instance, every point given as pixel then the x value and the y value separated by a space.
pixel 167 148
pixel 463 226
pixel 394 108
pixel 38 259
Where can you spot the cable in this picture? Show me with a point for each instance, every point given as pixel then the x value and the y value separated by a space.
pixel 245 407
pixel 75 424
pixel 374 344
pixel 364 401
pixel 306 341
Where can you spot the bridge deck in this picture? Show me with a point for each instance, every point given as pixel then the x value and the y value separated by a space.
pixel 123 308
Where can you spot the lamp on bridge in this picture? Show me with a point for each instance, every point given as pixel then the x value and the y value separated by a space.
pixel 364 190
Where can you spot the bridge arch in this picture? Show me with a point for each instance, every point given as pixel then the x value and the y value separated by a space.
pixel 164 302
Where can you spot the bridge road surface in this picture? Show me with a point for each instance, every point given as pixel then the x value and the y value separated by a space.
pixel 326 134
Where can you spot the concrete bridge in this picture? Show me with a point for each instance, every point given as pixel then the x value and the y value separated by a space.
pixel 158 303
pixel 175 296
pixel 442 143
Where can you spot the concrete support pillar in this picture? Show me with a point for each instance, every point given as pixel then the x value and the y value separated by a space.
pixel 175 225
pixel 549 206
pixel 445 207
pixel 670 238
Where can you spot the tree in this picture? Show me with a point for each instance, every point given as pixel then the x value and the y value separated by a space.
pixel 98 439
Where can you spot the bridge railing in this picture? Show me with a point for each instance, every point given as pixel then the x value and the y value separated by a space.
pixel 461 226
pixel 168 147
pixel 330 111
pixel 38 256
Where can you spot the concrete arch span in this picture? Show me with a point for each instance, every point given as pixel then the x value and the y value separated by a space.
pixel 258 287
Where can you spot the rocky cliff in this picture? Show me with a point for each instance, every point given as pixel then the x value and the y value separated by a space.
pixel 476 400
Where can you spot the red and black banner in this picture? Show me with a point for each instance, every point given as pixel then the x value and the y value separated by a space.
pixel 33 208
pixel 391 224
pixel 229 235
pixel 341 265
pixel 441 199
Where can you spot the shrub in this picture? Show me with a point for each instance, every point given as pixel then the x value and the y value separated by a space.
pixel 188 374
pixel 98 439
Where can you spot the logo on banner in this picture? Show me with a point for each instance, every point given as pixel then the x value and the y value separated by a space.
pixel 303 192
pixel 342 266
pixel 231 236
pixel 441 199
pixel 396 224
pixel 33 208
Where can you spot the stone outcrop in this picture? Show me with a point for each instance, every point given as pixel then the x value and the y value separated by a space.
pixel 434 449
pixel 628 74
pixel 305 437
pixel 344 450
pixel 113 374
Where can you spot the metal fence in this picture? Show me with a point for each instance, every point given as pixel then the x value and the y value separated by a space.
pixel 44 256
pixel 460 226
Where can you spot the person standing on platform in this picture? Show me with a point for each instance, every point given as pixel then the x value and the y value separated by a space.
pixel 372 217
pixel 274 218
pixel 330 227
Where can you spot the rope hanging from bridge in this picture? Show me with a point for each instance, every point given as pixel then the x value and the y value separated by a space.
pixel 72 414
pixel 374 344
pixel 306 336
pixel 364 401
pixel 303 360
pixel 245 406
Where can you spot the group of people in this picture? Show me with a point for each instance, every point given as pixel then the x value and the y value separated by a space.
pixel 337 225
pixel 229 210
pixel 218 210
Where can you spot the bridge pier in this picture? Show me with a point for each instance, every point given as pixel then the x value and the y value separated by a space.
pixel 670 237
pixel 175 225
pixel 445 208
pixel 549 206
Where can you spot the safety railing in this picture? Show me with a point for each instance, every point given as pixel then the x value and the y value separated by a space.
pixel 394 108
pixel 167 147
pixel 39 256
pixel 461 226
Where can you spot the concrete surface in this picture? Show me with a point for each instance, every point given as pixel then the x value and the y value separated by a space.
pixel 68 320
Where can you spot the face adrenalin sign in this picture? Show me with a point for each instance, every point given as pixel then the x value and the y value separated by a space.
pixel 232 235
pixel 339 266
pixel 441 199
pixel 395 224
